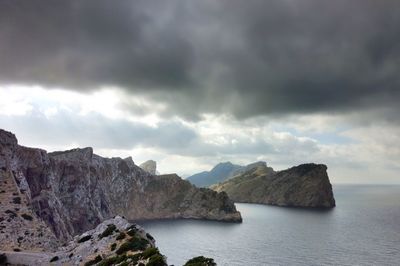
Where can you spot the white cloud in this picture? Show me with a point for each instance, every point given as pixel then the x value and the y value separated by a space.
pixel 12 103
pixel 58 119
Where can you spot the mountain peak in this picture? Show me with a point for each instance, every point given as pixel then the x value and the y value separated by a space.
pixel 224 165
pixel 218 173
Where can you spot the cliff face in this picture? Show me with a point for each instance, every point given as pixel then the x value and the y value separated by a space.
pixel 306 185
pixel 73 191
pixel 20 227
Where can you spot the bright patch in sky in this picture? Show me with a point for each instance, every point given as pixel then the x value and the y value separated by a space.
pixel 62 119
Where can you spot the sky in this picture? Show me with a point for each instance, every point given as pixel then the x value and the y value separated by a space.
pixel 194 83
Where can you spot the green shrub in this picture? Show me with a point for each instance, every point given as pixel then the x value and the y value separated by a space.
pixel 11 214
pixel 108 231
pixel 200 261
pixel 55 258
pixel 156 260
pixel 27 217
pixel 121 236
pixel 112 260
pixel 131 232
pixel 133 244
pixel 149 236
pixel 97 259
pixel 113 246
pixel 149 252
pixel 135 257
pixel 17 200
pixel 84 239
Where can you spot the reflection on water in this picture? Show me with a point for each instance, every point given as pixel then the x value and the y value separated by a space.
pixel 364 229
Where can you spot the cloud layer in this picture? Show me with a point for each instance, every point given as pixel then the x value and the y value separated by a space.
pixel 242 58
pixel 192 83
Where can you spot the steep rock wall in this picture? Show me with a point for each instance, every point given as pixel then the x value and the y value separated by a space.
pixel 73 191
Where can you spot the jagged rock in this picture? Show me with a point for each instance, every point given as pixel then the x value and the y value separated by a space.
pixel 75 190
pixel 149 166
pixel 108 246
pixel 20 227
pixel 306 185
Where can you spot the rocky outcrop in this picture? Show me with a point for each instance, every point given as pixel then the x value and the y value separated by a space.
pixel 306 185
pixel 149 166
pixel 173 197
pixel 75 190
pixel 112 242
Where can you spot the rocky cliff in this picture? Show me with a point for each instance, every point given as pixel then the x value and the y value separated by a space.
pixel 306 185
pixel 73 191
pixel 20 227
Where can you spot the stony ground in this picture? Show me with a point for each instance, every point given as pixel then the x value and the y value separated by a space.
pixel 113 242
pixel 20 228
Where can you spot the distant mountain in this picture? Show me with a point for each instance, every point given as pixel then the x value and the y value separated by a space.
pixel 219 173
pixel 306 185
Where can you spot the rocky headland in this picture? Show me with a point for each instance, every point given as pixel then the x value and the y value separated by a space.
pixel 306 185
pixel 49 198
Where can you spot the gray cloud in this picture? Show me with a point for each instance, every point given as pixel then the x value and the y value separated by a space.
pixel 66 128
pixel 84 44
pixel 246 58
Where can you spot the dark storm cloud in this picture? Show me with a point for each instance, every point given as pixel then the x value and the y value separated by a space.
pixel 84 44
pixel 246 58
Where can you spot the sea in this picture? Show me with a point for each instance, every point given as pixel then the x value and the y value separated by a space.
pixel 363 229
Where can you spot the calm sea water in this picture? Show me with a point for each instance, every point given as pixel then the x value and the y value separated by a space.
pixel 364 229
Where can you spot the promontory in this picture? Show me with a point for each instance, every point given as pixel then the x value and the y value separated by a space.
pixel 306 185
